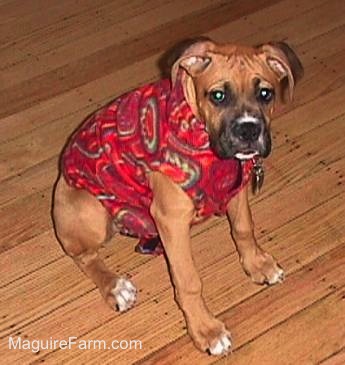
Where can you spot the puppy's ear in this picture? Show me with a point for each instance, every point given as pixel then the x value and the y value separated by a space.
pixel 284 62
pixel 194 58
pixel 169 57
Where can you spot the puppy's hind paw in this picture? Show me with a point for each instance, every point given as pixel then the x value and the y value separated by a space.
pixel 125 294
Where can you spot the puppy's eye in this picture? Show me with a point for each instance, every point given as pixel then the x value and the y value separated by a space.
pixel 217 96
pixel 265 95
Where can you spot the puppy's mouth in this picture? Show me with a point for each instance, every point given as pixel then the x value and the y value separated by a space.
pixel 227 148
pixel 232 150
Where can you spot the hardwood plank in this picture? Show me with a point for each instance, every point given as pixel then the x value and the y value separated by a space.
pixel 123 29
pixel 307 117
pixel 95 30
pixel 35 179
pixel 262 25
pixel 28 257
pixel 78 102
pixel 11 9
pixel 304 30
pixel 308 147
pixel 115 57
pixel 318 328
pixel 27 216
pixel 23 24
pixel 335 359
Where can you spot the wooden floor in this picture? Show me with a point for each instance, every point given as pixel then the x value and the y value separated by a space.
pixel 61 60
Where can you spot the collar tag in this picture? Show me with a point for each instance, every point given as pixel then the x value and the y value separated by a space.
pixel 258 175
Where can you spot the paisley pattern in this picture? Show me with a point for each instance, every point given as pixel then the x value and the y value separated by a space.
pixel 149 121
pixel 183 171
pixel 149 129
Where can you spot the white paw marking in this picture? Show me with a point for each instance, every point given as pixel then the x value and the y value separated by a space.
pixel 125 294
pixel 222 346
pixel 278 277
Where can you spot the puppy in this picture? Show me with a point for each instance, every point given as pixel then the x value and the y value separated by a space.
pixel 167 155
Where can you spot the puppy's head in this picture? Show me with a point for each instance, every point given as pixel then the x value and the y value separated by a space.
pixel 235 89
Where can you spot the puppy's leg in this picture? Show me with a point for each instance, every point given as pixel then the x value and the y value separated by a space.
pixel 173 212
pixel 82 224
pixel 259 265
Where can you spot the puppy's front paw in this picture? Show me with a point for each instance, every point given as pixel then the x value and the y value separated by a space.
pixel 222 345
pixel 210 334
pixel 124 293
pixel 262 268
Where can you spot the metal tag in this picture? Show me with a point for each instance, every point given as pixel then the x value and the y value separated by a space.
pixel 258 176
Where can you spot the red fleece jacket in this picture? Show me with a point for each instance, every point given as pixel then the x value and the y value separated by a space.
pixel 149 129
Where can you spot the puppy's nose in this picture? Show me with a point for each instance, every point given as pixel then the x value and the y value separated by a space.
pixel 247 131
